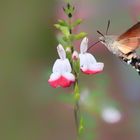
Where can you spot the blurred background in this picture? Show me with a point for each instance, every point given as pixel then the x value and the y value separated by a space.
pixel 32 110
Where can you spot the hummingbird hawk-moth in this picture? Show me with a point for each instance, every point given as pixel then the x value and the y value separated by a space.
pixel 125 45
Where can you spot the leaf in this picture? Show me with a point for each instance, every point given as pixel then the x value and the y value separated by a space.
pixel 63 23
pixel 77 22
pixel 65 39
pixel 57 26
pixel 63 29
pixel 72 37
pixel 80 36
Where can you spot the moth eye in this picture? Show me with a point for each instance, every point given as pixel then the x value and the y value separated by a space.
pixel 103 41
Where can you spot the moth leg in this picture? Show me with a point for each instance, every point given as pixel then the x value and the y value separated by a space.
pixel 124 57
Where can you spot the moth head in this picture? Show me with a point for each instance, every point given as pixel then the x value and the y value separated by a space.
pixel 102 40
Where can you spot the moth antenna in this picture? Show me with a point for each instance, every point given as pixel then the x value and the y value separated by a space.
pixel 100 33
pixel 108 25
pixel 93 45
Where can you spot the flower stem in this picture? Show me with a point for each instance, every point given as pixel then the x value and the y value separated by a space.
pixel 77 113
pixel 70 29
pixel 76 108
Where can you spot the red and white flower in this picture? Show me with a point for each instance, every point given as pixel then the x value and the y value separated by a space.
pixel 88 63
pixel 61 76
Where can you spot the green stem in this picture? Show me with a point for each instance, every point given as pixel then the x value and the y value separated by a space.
pixel 76 108
pixel 70 28
pixel 77 113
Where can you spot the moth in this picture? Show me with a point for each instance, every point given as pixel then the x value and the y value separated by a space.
pixel 125 45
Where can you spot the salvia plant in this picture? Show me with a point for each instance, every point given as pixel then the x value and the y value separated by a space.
pixel 66 69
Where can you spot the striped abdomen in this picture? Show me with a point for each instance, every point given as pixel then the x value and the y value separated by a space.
pixel 134 61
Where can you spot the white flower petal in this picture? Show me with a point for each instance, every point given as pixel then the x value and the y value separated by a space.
pixel 86 60
pixel 67 66
pixel 82 59
pixel 89 65
pixel 69 76
pixel 97 66
pixel 90 59
pixel 84 45
pixel 57 67
pixel 61 51
pixel 62 66
pixel 54 76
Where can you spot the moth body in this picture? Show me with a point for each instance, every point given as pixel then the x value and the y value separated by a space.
pixel 113 46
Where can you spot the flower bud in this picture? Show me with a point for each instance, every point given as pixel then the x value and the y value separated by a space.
pixel 75 56
pixel 68 50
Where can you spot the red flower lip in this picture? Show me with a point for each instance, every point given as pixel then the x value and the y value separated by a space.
pixel 61 82
pixel 91 71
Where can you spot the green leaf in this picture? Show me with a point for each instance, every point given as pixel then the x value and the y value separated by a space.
pixel 57 26
pixel 67 40
pixel 63 23
pixel 63 29
pixel 80 35
pixel 72 37
pixel 77 22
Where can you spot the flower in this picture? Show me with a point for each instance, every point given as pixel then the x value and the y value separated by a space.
pixel 88 63
pixel 61 75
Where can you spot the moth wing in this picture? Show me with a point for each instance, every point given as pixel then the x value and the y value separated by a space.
pixel 129 44
pixel 134 31
pixel 130 40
